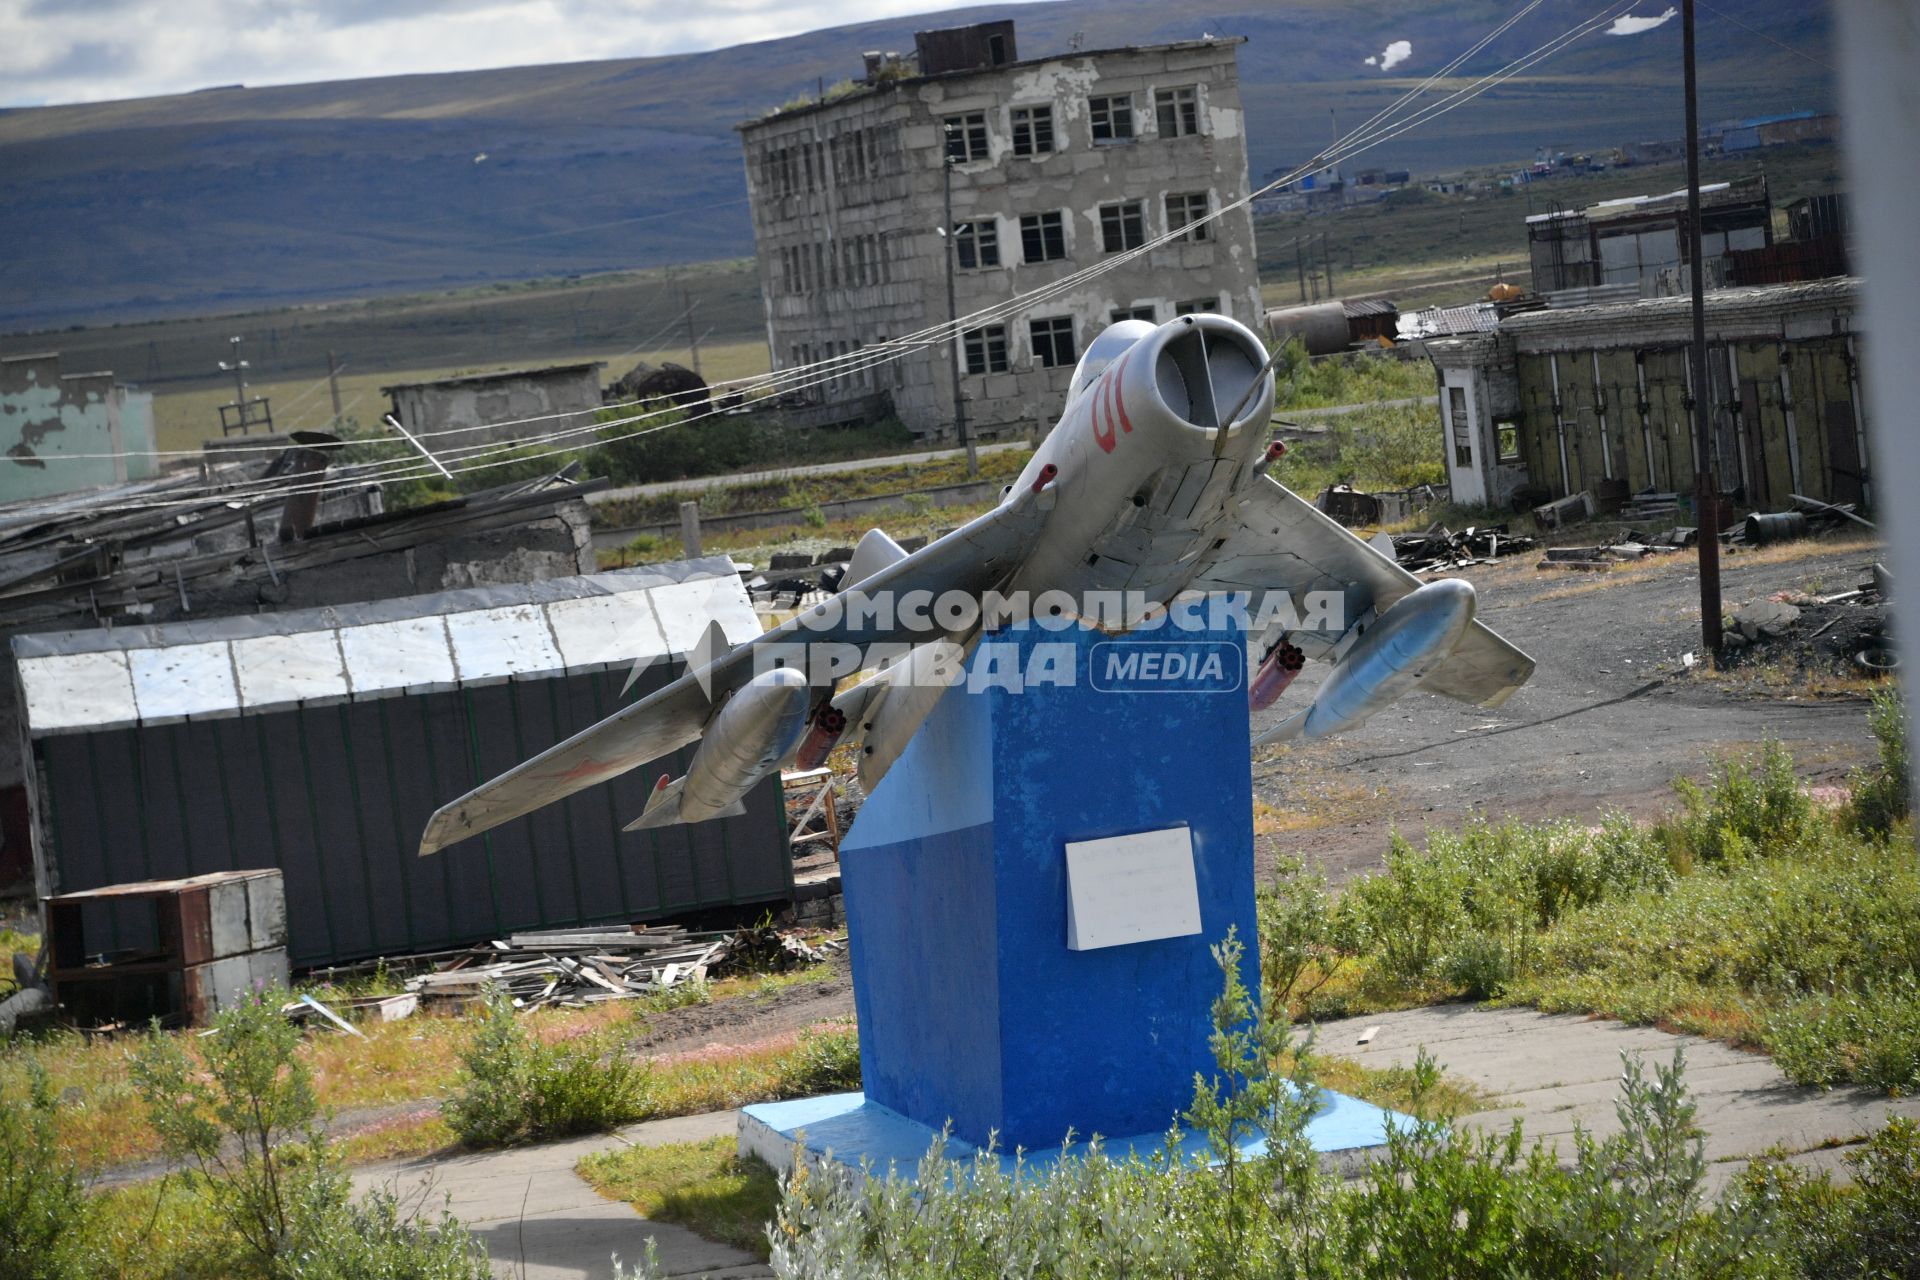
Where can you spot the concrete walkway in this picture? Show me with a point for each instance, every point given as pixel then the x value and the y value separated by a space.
pixel 1551 1071
pixel 540 1221
pixel 789 473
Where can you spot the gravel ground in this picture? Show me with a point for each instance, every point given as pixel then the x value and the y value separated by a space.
pixel 1609 719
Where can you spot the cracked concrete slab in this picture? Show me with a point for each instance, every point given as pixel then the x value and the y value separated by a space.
pixel 1552 1072
pixel 539 1220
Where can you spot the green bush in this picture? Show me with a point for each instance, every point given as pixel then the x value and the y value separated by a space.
pixel 1867 1229
pixel 827 1060
pixel 1880 799
pixel 514 1089
pixel 378 1239
pixel 1749 914
pixel 244 1120
pixel 1439 1202
pixel 1750 808
pixel 46 1219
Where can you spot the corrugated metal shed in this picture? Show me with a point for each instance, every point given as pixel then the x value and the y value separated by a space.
pixel 319 741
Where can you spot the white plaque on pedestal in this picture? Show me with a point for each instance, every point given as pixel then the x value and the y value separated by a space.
pixel 1133 888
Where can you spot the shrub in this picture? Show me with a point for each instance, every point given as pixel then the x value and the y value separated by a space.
pixel 378 1239
pixel 1439 1202
pixel 1880 795
pixel 514 1089
pixel 827 1060
pixel 244 1117
pixel 46 1218
pixel 1750 808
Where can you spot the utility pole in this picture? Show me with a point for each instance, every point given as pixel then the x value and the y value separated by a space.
pixel 239 370
pixel 953 318
pixel 1706 485
pixel 333 385
pixel 1300 265
pixel 1326 260
pixel 693 343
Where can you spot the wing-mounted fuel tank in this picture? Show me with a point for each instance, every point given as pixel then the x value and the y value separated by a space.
pixel 744 743
pixel 1401 649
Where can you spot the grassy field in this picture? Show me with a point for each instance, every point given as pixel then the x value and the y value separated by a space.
pixel 184 418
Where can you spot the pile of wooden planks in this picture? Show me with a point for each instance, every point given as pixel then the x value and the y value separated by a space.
pixel 572 968
pixel 576 967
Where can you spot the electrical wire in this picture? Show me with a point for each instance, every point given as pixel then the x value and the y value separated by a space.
pixel 1798 53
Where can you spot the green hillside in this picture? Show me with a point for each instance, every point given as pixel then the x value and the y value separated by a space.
pixel 240 198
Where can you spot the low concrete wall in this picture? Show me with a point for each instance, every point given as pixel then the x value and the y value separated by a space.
pixel 948 495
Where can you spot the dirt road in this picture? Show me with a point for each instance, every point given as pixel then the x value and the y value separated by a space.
pixel 1608 720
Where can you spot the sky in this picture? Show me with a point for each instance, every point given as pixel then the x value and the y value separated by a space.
pixel 54 51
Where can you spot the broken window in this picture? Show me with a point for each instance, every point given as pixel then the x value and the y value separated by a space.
pixel 986 349
pixel 1032 131
pixel 1053 341
pixel 1043 236
pixel 1178 111
pixel 1132 313
pixel 976 244
pixel 1112 117
pixel 1210 306
pixel 1122 226
pixel 967 137
pixel 1462 430
pixel 1507 432
pixel 1190 212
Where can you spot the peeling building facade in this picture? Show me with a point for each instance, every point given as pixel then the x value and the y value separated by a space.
pixel 508 404
pixel 1058 164
pixel 64 432
pixel 1561 400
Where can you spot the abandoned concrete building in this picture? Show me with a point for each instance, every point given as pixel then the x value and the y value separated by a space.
pixel 1056 164
pixel 62 432
pixel 1633 246
pixel 1555 401
pixel 506 404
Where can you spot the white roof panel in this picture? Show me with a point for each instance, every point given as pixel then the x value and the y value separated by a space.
pixel 78 691
pixel 411 655
pixel 183 680
pixel 278 671
pixel 102 679
pixel 686 607
pixel 596 631
pixel 493 644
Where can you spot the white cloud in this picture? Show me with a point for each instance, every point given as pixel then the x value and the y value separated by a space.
pixel 1392 56
pixel 94 50
pixel 1629 25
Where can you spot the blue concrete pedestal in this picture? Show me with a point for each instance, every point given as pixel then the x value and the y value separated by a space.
pixel 975 1012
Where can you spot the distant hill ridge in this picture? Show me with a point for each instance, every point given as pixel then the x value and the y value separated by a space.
pixel 217 200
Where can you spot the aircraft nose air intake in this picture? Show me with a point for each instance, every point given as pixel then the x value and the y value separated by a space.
pixel 1202 371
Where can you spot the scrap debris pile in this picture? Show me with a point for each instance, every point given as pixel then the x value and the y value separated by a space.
pixel 1629 545
pixel 1846 630
pixel 572 968
pixel 1441 548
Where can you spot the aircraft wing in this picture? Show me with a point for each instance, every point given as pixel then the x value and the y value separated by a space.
pixel 1281 543
pixel 973 558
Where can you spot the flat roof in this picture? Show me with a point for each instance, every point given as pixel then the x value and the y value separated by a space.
pixel 497 375
pixel 1072 55
pixel 110 678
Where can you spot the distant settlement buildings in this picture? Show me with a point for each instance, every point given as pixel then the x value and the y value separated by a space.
pixel 1056 164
